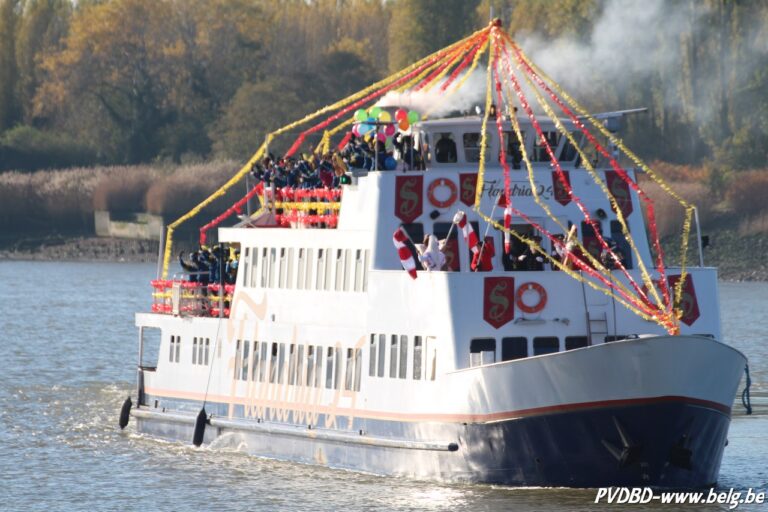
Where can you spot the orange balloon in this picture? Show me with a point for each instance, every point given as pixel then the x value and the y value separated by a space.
pixel 404 125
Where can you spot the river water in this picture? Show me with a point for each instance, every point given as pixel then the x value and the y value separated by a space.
pixel 67 363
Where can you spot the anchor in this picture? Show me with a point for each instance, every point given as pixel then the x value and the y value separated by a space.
pixel 629 452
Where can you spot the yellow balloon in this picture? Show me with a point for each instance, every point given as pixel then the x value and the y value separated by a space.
pixel 385 116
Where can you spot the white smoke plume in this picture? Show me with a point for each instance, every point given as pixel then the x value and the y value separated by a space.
pixel 623 45
pixel 439 103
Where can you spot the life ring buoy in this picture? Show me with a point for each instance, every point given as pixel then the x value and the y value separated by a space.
pixel 535 308
pixel 452 189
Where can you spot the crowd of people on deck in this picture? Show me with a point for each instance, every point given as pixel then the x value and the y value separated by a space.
pixel 331 169
pixel 211 265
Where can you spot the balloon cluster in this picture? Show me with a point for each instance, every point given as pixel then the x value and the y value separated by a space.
pixel 365 123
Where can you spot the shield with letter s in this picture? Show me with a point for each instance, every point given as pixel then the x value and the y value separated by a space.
pixel 688 303
pixel 467 186
pixel 409 197
pixel 498 300
pixel 620 191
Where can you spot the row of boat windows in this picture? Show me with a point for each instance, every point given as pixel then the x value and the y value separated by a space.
pixel 484 350
pixel 445 147
pixel 341 270
pixel 201 350
pixel 298 365
pixel 401 353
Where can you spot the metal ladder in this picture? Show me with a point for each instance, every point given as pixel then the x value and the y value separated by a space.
pixel 597 326
pixel 597 322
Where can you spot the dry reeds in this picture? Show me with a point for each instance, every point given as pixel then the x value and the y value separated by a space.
pixel 124 189
pixel 188 185
pixel 48 199
pixel 65 199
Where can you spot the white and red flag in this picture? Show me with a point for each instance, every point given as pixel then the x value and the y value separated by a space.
pixel 406 258
pixel 507 225
pixel 460 219
pixel 507 205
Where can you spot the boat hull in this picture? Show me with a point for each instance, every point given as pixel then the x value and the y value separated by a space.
pixel 660 443
pixel 673 439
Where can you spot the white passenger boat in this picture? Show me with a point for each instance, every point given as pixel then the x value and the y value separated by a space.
pixel 570 371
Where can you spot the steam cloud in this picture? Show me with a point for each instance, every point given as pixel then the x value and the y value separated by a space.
pixel 438 102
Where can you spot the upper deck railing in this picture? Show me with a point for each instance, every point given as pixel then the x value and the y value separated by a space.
pixel 180 297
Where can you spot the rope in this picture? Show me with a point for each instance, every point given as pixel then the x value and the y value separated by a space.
pixel 745 400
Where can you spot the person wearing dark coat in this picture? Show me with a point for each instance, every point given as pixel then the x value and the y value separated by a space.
pixel 230 271
pixel 204 267
pixel 191 267
pixel 217 254
pixel 531 259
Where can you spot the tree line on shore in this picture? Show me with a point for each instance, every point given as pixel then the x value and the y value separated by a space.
pixel 134 81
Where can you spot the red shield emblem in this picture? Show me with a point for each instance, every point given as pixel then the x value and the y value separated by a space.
pixel 498 300
pixel 559 189
pixel 409 194
pixel 467 184
pixel 620 191
pixel 689 304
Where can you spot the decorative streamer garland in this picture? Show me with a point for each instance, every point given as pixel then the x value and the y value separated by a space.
pixel 604 246
pixel 594 262
pixel 598 180
pixel 380 92
pixel 262 149
pixel 652 224
pixel 235 208
pixel 476 59
pixel 470 57
pixel 637 161
pixel 481 172
pixel 483 132
pixel 543 205
pixel 300 139
pixel 502 149
pixel 443 68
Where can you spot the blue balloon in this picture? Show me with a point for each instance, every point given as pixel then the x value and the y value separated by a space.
pixel 390 164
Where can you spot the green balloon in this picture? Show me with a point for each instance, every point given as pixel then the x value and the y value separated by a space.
pixel 360 115
pixel 413 117
pixel 375 111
